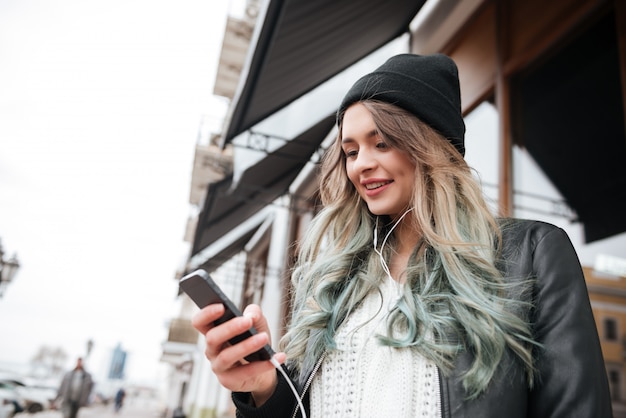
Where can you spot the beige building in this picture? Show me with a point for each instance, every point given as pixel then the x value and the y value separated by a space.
pixel 607 291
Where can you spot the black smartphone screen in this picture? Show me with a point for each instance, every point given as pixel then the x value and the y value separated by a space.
pixel 201 288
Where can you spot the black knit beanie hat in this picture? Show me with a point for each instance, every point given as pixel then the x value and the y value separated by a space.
pixel 425 85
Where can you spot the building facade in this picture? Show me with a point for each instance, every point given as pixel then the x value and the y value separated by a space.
pixel 543 87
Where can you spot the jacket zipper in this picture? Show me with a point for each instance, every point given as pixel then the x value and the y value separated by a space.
pixel 309 381
pixel 439 393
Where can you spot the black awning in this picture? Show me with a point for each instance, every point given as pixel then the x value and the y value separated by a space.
pixel 569 114
pixel 228 205
pixel 229 251
pixel 303 43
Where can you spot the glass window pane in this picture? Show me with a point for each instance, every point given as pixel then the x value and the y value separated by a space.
pixel 482 149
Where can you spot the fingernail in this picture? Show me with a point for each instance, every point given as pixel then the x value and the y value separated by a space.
pixel 217 307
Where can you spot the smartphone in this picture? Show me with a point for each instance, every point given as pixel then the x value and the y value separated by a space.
pixel 199 286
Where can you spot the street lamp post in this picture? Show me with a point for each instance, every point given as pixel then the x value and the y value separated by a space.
pixel 8 269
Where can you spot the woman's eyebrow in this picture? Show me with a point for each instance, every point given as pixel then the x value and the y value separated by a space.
pixel 370 134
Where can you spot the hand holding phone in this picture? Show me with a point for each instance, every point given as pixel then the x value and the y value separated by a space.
pixel 199 286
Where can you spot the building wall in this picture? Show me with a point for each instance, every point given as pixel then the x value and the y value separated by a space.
pixel 607 293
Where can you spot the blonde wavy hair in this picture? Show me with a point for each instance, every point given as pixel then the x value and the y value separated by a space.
pixel 453 292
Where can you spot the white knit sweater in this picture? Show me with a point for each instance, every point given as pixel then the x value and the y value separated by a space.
pixel 363 378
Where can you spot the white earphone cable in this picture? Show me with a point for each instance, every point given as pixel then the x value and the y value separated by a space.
pixel 290 383
pixel 380 252
pixel 385 268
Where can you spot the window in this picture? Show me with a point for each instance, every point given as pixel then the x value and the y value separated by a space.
pixel 610 329
pixel 482 149
pixel 615 382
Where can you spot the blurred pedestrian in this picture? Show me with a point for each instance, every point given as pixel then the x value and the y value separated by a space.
pixel 119 399
pixel 75 389
pixel 178 413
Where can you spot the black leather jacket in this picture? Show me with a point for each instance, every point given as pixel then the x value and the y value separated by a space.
pixel 572 379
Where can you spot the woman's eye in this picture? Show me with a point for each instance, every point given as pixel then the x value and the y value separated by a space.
pixel 382 145
pixel 350 153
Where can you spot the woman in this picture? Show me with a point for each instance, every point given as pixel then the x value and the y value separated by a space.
pixel 410 298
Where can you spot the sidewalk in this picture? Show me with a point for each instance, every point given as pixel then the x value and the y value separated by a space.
pixel 136 409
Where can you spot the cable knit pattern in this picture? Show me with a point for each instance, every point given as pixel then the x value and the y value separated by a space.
pixel 363 378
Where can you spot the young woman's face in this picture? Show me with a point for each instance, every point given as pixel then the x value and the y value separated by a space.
pixel 382 175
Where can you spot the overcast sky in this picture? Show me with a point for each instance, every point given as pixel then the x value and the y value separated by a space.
pixel 100 107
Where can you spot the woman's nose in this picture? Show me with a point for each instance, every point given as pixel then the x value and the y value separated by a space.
pixel 365 161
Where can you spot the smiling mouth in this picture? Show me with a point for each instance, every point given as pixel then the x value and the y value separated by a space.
pixel 376 185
